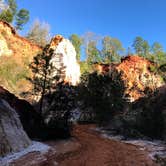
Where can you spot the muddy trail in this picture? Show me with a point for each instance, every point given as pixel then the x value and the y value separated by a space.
pixel 87 148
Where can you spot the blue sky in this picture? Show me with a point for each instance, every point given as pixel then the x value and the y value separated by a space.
pixel 123 19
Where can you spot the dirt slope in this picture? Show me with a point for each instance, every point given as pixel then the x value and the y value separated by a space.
pixel 88 148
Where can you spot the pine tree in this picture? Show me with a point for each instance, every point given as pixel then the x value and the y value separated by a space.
pixel 45 74
pixel 138 45
pixel 10 14
pixel 22 18
pixel 141 46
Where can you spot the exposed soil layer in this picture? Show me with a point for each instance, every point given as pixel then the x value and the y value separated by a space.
pixel 88 148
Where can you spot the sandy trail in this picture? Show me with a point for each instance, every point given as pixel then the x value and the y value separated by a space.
pixel 98 151
pixel 88 148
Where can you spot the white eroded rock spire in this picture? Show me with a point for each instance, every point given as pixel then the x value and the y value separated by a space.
pixel 65 56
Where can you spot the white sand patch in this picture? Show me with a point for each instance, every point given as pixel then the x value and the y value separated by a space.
pixel 35 147
pixel 156 148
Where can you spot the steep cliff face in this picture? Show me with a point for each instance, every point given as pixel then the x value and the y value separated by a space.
pixel 17 46
pixel 64 59
pixel 15 55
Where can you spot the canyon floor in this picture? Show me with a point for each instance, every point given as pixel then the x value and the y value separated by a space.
pixel 87 148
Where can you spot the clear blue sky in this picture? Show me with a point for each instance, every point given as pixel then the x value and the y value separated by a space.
pixel 123 19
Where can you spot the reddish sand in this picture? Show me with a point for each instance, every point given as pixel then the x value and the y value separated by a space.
pixel 88 148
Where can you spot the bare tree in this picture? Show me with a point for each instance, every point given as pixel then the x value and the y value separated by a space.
pixel 89 37
pixel 39 33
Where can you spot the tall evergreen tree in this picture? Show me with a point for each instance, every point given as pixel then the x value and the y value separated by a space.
pixel 10 14
pixel 141 46
pixel 41 69
pixel 146 48
pixel 138 45
pixel 22 18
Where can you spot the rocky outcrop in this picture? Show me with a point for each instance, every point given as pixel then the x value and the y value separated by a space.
pixel 30 119
pixel 4 50
pixel 138 76
pixel 12 136
pixel 64 59
pixel 137 73
pixel 19 46
pixel 33 122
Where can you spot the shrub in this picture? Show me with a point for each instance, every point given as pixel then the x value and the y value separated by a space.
pixel 57 109
pixel 102 93
pixel 145 118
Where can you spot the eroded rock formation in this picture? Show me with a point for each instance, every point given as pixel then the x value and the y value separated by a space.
pixel 29 118
pixel 18 46
pixel 65 59
pixel 137 75
pixel 12 136
pixel 4 49
pixel 16 53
